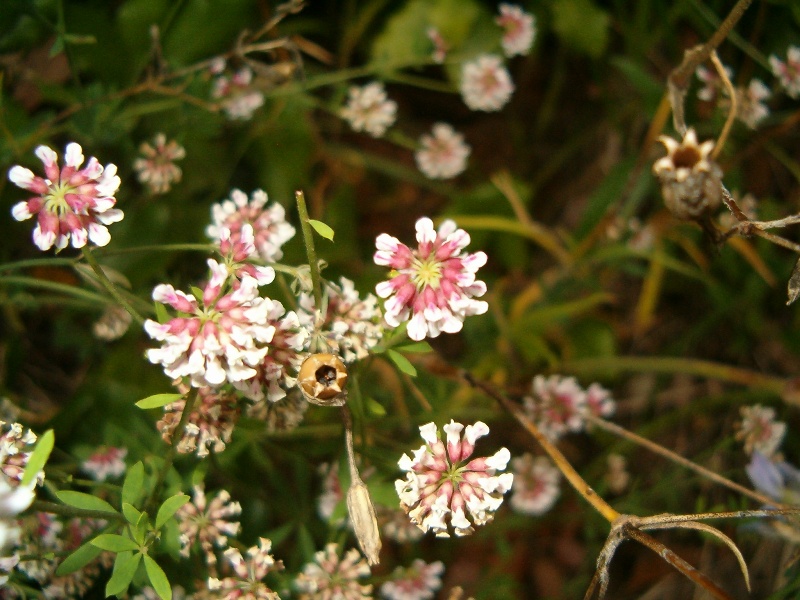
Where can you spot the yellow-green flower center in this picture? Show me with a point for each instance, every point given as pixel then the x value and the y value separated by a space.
pixel 427 272
pixel 55 199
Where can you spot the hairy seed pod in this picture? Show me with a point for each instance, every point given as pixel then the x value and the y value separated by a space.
pixel 322 379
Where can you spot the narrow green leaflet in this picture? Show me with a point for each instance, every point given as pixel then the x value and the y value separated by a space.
pixel 132 486
pixel 78 559
pixel 84 501
pixel 401 362
pixel 38 457
pixel 114 543
pixel 132 515
pixel 158 579
pixel 322 229
pixel 158 400
pixel 416 347
pixel 124 569
pixel 375 407
pixel 169 507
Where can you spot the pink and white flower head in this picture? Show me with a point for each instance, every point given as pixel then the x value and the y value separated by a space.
pixel 443 489
pixel 599 402
pixel 16 445
pixel 368 109
pixel 712 82
pixel 330 577
pixel 433 287
pixel 156 167
pixel 237 250
pixel 221 339
pixel 788 73
pixel 557 405
pixel 751 107
pixel 281 415
pixel 238 98
pixel 247 582
pixel 417 582
pixel 351 326
pixel 107 462
pixel 536 484
pixel 442 153
pixel 759 430
pixel 71 203
pixel 485 83
pixel 270 229
pixel 275 372
pixel 440 47
pixel 207 523
pixel 519 29
pixel 396 525
pixel 209 426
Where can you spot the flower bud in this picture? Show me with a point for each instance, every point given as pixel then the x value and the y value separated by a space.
pixel 365 524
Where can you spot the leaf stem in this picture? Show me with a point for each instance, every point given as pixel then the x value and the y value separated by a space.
pixel 109 286
pixel 308 239
pixel 72 511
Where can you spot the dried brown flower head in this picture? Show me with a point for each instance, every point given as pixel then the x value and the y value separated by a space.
pixel 691 181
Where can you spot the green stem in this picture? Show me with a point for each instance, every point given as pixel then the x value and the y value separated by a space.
pixel 308 238
pixel 689 366
pixel 154 248
pixel 109 286
pixel 38 262
pixel 55 286
pixel 177 436
pixel 71 511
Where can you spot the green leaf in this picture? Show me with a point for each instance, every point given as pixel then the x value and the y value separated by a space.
pixel 132 515
pixel 125 567
pixel 158 400
pixel 132 486
pixel 114 543
pixel 401 362
pixel 322 229
pixel 38 457
pixel 169 507
pixel 375 408
pixel 158 578
pixel 84 501
pixel 162 315
pixel 416 347
pixel 582 25
pixel 78 559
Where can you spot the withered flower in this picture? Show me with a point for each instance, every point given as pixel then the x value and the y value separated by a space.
pixel 691 181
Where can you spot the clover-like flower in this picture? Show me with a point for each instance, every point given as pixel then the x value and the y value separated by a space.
pixel 519 29
pixel 71 203
pixel 270 229
pixel 368 109
pixel 330 577
pixel 442 491
pixel 224 338
pixel 485 83
pixel 156 167
pixel 105 462
pixel 280 415
pixel 536 484
pixel 788 73
pixel 238 97
pixel 433 287
pixel 557 405
pixel 417 582
pixel 16 444
pixel 759 430
pixel 442 153
pixel 691 181
pixel 208 523
pixel 351 326
pixel 209 426
pixel 249 573
pixel 751 109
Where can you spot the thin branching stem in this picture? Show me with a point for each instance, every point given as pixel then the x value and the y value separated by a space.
pixel 678 459
pixel 311 252
pixel 734 106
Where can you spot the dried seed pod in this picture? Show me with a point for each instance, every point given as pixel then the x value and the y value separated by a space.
pixel 691 181
pixel 322 379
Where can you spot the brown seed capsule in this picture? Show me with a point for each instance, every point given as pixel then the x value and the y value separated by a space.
pixel 322 380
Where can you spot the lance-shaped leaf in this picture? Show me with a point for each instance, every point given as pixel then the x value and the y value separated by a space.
pixel 158 400
pixel 125 567
pixel 322 229
pixel 158 578
pixel 169 508
pixel 84 501
pixel 38 457
pixel 114 543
